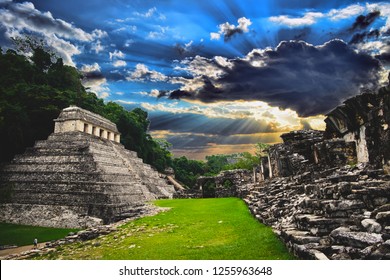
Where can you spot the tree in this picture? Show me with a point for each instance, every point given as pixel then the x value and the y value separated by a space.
pixel 261 149
pixel 187 171
pixel 245 161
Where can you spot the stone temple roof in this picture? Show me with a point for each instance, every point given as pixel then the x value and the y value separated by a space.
pixel 77 113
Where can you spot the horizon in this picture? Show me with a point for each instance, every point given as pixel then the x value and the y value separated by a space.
pixel 215 77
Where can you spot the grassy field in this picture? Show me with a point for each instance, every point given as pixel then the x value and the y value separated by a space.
pixel 20 235
pixel 197 229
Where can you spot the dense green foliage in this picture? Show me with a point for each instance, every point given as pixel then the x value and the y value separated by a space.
pixel 193 229
pixel 11 234
pixel 187 171
pixel 33 91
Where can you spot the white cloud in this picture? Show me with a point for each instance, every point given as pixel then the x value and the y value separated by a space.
pixel 98 86
pixel 308 19
pixel 151 13
pixel 94 80
pixel 243 24
pixel 97 33
pixel 189 44
pixel 24 16
pixel 201 66
pixel 103 95
pixel 116 54
pixel 119 63
pixel 95 67
pixel 154 92
pixel 97 47
pixel 128 43
pixel 63 48
pixel 223 61
pixel 142 73
pixel 228 30
pixel 160 34
pixel 348 12
pixel 21 18
pixel 215 36
pixel 18 19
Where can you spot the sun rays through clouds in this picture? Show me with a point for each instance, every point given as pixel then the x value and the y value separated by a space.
pixel 215 76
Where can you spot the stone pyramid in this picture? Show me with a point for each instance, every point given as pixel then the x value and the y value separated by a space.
pixel 79 177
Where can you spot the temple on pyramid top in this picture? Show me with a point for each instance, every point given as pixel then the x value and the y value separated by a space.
pixel 74 118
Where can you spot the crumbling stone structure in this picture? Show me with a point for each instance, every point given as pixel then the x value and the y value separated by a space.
pixel 365 120
pixel 79 177
pixel 342 214
pixel 225 184
pixel 330 194
pixel 295 154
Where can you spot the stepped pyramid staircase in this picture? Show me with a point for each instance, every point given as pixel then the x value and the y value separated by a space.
pixel 74 179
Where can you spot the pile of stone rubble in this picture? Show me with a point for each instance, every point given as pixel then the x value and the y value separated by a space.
pixel 342 214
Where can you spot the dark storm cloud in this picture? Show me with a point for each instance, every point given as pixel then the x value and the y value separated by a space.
pixel 92 75
pixel 361 37
pixel 308 79
pixel 229 33
pixel 229 30
pixel 363 22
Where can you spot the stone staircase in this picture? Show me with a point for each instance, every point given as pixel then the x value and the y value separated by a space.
pixel 74 179
pixel 345 215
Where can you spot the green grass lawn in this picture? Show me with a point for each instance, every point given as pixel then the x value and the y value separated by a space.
pixel 11 234
pixel 194 229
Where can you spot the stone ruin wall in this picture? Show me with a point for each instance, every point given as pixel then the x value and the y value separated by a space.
pixel 327 193
pixel 329 197
pixel 365 120
pixel 225 184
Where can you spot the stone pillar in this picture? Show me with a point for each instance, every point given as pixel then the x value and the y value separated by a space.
pixel 95 131
pixel 89 131
pixel 117 138
pixel 103 133
pixel 269 166
pixel 261 171
pixel 361 146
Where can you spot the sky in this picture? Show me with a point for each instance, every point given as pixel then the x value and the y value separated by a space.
pixel 215 76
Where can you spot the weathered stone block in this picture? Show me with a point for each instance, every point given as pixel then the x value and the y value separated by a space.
pixel 371 225
pixel 383 217
pixel 346 237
